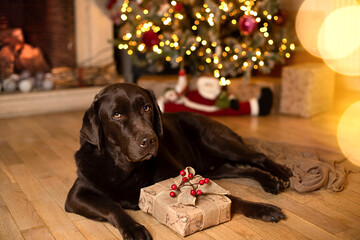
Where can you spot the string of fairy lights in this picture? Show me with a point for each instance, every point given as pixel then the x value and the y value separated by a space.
pixel 243 56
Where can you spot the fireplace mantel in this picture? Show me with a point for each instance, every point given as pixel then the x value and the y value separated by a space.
pixel 33 103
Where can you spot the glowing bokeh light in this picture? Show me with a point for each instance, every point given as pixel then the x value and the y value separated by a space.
pixel 339 40
pixel 311 16
pixel 348 133
pixel 339 35
pixel 349 65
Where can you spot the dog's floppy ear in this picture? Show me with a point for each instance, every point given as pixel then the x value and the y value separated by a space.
pixel 91 127
pixel 157 116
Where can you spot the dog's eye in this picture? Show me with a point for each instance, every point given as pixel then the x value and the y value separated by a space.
pixel 117 115
pixel 147 108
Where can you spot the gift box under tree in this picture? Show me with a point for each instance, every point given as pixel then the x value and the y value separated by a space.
pixel 306 89
pixel 187 203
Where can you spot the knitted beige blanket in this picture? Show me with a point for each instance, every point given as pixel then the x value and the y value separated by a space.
pixel 312 168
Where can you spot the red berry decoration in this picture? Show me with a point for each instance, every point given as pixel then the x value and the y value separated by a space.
pixel 182 172
pixel 192 192
pixel 206 180
pixel 173 187
pixel 201 182
pixel 185 179
pixel 191 175
pixel 172 194
pixel 198 192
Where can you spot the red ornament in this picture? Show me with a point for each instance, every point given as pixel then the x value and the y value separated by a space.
pixel 280 17
pixel 198 192
pixel 247 24
pixel 182 172
pixel 201 182
pixel 190 175
pixel 206 180
pixel 150 38
pixel 173 187
pixel 192 192
pixel 185 179
pixel 178 7
pixel 172 194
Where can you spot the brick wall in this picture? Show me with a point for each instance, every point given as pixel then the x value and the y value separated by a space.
pixel 47 24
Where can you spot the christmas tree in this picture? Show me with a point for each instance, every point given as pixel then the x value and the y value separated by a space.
pixel 222 38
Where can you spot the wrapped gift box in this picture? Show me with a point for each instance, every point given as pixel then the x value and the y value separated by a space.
pixel 306 89
pixel 184 213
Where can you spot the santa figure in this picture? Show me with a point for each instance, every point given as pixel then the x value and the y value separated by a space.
pixel 211 99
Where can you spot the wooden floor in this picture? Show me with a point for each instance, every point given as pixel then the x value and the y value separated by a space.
pixel 37 169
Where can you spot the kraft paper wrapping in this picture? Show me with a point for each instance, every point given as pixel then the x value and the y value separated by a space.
pixel 185 219
pixel 307 89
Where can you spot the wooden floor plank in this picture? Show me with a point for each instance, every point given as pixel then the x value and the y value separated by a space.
pixel 5 175
pixel 312 215
pixel 94 230
pixel 272 230
pixel 349 195
pixel 241 227
pixel 32 160
pixel 64 170
pixel 28 183
pixel 58 191
pixel 56 220
pixel 351 234
pixel 344 204
pixel 333 211
pixel 355 187
pixel 56 143
pixel 5 130
pixel 37 234
pixel 8 155
pixel 161 232
pixel 72 141
pixel 306 228
pixel 20 208
pixel 354 178
pixel 198 236
pixel 8 227
pixel 222 232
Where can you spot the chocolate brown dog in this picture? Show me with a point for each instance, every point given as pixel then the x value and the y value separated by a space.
pixel 127 144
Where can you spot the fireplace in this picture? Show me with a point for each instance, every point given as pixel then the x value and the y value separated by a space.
pixel 70 50
pixel 46 24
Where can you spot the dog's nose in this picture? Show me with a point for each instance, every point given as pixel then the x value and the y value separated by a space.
pixel 146 142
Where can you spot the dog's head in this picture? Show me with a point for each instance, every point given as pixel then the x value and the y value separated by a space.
pixel 124 120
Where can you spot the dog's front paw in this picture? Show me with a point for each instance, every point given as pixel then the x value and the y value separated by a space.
pixel 135 231
pixel 265 212
pixel 273 185
pixel 262 211
pixel 280 171
pixel 284 173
